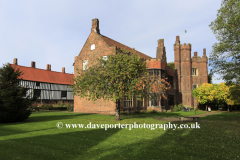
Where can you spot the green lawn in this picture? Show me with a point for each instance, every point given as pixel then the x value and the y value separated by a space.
pixel 166 114
pixel 38 138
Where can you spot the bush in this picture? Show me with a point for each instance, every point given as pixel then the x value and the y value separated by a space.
pixel 53 108
pixel 16 116
pixel 180 106
pixel 150 111
pixel 60 104
pixel 69 107
pixel 176 107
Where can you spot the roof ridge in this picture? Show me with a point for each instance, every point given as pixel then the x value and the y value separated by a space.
pixel 41 75
pixel 40 69
pixel 123 45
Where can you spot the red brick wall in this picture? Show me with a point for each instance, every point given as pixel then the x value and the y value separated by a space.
pixel 101 49
pixel 183 78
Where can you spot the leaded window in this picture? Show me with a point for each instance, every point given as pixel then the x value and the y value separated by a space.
pixel 64 94
pixel 37 92
pixel 154 99
pixel 127 102
pixel 194 71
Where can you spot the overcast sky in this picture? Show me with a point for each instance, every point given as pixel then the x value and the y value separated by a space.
pixel 54 31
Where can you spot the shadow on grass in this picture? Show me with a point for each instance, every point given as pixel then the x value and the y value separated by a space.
pixel 161 114
pixel 51 116
pixel 70 145
pixel 203 143
pixel 213 140
pixel 224 116
pixel 9 131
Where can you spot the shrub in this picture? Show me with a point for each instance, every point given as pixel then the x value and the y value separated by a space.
pixel 150 111
pixel 60 104
pixel 69 107
pixel 54 108
pixel 176 107
pixel 180 106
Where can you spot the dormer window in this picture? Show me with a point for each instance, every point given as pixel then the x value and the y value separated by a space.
pixel 92 46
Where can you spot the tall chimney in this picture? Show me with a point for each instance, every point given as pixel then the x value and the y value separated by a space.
pixel 95 26
pixel 161 52
pixel 204 51
pixel 63 69
pixel 15 61
pixel 195 54
pixel 33 64
pixel 49 67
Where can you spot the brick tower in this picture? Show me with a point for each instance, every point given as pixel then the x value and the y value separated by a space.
pixel 191 72
pixel 199 64
pixel 177 63
pixel 183 65
pixel 186 75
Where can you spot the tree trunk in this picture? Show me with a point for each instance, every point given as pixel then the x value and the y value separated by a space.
pixel 228 107
pixel 117 116
pixel 217 106
pixel 206 107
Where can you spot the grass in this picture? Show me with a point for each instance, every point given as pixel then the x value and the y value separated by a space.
pixel 38 138
pixel 166 114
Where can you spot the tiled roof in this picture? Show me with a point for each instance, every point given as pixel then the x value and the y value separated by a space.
pixel 112 42
pixel 41 75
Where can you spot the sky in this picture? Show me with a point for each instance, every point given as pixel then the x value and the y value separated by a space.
pixel 54 32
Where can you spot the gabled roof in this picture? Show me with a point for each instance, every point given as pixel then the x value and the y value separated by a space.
pixel 112 42
pixel 41 75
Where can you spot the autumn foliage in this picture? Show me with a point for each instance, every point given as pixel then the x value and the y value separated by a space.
pixel 214 94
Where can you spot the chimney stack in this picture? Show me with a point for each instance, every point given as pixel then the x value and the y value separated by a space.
pixel 195 54
pixel 204 51
pixel 49 67
pixel 33 64
pixel 161 52
pixel 63 69
pixel 15 61
pixel 95 26
pixel 160 42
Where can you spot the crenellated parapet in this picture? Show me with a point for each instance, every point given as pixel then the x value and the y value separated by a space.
pixel 155 63
pixel 197 58
pixel 186 46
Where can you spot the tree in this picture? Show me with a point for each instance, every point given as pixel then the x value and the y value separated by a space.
pixel 171 65
pixel 13 105
pixel 231 100
pixel 123 75
pixel 214 94
pixel 114 78
pixel 157 86
pixel 203 93
pixel 225 57
pixel 219 94
pixel 210 77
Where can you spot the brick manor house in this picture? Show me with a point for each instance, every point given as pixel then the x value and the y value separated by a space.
pixel 190 72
